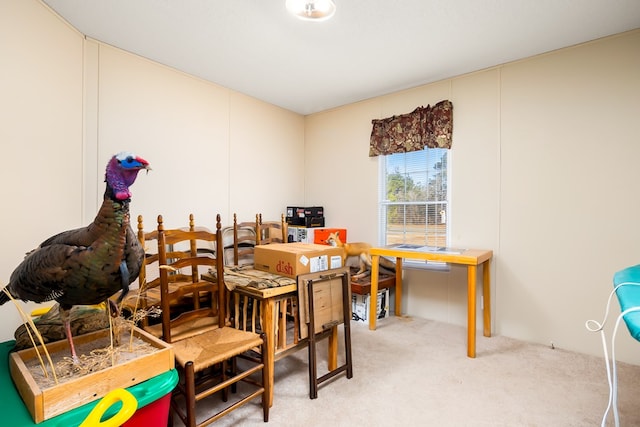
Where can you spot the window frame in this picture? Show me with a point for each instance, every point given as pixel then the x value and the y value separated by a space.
pixel 383 204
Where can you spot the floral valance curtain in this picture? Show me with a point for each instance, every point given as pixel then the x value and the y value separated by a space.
pixel 423 127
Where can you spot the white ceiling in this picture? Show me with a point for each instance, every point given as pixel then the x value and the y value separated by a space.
pixel 369 48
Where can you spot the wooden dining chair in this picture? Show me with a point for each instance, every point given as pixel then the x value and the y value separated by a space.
pixel 239 252
pixel 244 241
pixel 244 309
pixel 206 349
pixel 140 302
pixel 268 232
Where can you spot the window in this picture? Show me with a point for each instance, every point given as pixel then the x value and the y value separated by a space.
pixel 413 198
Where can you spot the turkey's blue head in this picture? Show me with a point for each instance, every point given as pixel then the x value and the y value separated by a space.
pixel 122 171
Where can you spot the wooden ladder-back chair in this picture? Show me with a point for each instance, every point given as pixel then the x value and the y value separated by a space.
pixel 238 240
pixel 268 232
pixel 271 231
pixel 147 296
pixel 205 347
pixel 138 302
pixel 245 309
pixel 245 239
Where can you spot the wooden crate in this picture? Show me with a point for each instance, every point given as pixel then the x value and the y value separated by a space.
pixel 362 286
pixel 45 402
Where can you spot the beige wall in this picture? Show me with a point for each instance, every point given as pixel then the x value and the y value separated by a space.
pixel 40 134
pixel 212 150
pixel 73 102
pixel 544 172
pixel 543 165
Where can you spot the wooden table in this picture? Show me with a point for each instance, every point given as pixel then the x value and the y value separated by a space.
pixel 472 258
pixel 269 298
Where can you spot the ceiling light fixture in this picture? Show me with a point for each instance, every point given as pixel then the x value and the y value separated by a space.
pixel 311 10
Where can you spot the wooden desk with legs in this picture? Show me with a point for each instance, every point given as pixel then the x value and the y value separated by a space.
pixel 472 258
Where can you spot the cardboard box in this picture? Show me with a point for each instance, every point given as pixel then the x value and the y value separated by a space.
pixel 295 211
pixel 317 235
pixel 300 234
pixel 320 235
pixel 301 212
pixel 307 221
pixel 362 286
pixel 292 259
pixel 45 402
pixel 360 306
pixel 314 211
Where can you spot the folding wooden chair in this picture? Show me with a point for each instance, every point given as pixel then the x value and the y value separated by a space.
pixel 326 303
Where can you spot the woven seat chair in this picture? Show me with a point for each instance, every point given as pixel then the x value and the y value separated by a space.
pixel 206 349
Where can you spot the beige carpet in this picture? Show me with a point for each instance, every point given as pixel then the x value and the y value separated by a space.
pixel 414 372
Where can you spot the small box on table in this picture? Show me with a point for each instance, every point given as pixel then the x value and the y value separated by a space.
pixel 307 221
pixel 312 216
pixel 295 211
pixel 362 285
pixel 301 212
pixel 317 235
pixel 360 306
pixel 321 235
pixel 292 259
pixel 314 211
pixel 297 234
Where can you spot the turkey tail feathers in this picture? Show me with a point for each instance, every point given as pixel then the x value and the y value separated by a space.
pixel 4 297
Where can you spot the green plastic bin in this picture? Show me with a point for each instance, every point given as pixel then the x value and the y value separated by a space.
pixel 153 397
